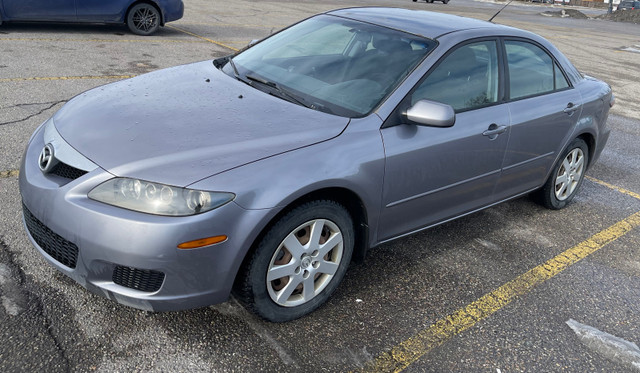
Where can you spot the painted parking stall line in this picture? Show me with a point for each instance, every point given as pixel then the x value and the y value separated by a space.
pixel 203 38
pixel 9 173
pixel 247 25
pixel 404 354
pixel 616 188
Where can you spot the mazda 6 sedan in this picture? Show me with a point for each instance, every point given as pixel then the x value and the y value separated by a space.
pixel 143 17
pixel 268 171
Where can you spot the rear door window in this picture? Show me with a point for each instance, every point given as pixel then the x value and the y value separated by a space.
pixel 532 71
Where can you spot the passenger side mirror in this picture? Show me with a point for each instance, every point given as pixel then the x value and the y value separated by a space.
pixel 431 113
pixel 252 42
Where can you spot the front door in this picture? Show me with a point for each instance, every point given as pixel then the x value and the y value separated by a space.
pixel 36 10
pixel 431 173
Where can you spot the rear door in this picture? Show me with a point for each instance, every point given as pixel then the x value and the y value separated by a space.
pixel 40 10
pixel 102 10
pixel 544 109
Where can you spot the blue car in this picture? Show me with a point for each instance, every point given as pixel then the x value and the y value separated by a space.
pixel 142 18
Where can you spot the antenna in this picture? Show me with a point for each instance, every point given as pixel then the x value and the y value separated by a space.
pixel 501 9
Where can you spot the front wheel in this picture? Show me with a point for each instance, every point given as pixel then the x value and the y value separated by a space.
pixel 143 19
pixel 566 178
pixel 299 262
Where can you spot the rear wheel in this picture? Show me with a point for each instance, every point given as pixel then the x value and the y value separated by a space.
pixel 143 19
pixel 299 262
pixel 566 178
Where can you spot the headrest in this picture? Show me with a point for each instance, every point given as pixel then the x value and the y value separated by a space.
pixel 391 46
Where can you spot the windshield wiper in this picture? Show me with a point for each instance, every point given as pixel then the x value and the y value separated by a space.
pixel 235 69
pixel 283 92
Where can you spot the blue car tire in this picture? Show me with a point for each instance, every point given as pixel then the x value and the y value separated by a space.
pixel 143 19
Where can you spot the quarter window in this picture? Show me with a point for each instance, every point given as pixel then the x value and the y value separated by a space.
pixel 531 70
pixel 466 79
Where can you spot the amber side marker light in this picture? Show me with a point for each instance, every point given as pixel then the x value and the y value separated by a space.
pixel 202 242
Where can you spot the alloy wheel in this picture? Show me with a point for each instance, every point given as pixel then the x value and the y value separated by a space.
pixel 305 263
pixel 569 174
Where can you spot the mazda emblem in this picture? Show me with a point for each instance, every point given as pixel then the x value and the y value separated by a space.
pixel 46 160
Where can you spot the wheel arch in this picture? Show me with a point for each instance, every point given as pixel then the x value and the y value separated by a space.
pixel 345 197
pixel 590 140
pixel 150 2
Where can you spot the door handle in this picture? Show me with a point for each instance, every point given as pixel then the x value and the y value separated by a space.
pixel 494 130
pixel 571 107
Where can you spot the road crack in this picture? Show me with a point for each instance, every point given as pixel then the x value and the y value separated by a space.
pixel 14 287
pixel 51 105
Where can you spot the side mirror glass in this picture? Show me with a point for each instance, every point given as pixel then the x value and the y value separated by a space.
pixel 431 113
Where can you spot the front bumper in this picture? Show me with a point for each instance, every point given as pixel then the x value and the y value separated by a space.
pixel 127 256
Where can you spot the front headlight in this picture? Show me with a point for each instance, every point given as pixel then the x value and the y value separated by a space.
pixel 158 199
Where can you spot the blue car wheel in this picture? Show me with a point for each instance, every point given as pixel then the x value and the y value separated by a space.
pixel 143 19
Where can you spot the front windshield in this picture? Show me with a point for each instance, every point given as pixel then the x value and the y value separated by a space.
pixel 332 64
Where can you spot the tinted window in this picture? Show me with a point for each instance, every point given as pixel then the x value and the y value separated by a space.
pixel 531 70
pixel 466 79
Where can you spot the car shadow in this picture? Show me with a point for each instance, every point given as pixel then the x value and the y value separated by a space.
pixel 76 29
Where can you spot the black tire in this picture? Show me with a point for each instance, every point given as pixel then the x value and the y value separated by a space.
pixel 445 1
pixel 143 19
pixel 415 1
pixel 556 193
pixel 260 295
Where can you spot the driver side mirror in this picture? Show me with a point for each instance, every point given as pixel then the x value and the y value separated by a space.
pixel 431 113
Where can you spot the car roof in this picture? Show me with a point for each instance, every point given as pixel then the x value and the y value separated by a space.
pixel 419 22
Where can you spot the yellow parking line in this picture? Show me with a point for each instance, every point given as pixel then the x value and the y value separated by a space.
pixel 9 173
pixel 4 80
pixel 616 188
pixel 409 351
pixel 236 24
pixel 202 37
pixel 106 40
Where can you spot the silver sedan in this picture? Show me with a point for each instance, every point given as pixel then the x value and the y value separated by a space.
pixel 267 172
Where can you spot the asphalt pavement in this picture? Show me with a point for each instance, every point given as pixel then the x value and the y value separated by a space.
pixel 514 288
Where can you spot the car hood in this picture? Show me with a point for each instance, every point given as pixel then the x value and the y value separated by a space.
pixel 182 124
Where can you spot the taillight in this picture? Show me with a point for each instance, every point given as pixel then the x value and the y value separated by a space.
pixel 612 100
